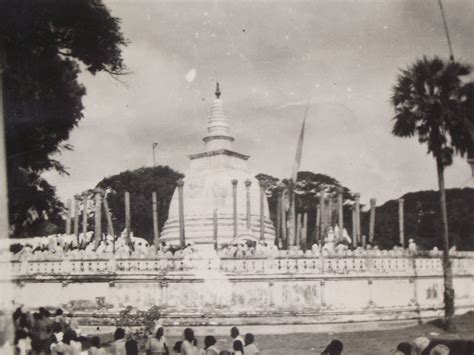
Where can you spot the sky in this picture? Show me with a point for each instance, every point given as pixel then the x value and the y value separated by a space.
pixel 269 57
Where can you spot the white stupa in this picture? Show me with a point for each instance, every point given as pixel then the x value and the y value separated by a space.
pixel 208 187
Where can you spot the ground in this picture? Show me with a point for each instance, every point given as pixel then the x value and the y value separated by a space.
pixel 355 343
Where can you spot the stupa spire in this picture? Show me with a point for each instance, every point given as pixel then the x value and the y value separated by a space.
pixel 218 129
pixel 218 91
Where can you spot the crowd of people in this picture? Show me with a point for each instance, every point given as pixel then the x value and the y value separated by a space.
pixel 58 333
pixel 68 246
pixel 44 332
pixel 59 247
pixel 425 346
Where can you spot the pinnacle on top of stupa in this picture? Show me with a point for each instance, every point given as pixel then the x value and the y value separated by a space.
pixel 218 91
pixel 218 128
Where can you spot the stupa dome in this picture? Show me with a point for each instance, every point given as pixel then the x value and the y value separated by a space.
pixel 208 186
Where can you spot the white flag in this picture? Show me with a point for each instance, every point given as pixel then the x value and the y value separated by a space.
pixel 299 147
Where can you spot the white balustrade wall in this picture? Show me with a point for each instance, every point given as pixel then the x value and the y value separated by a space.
pixel 266 289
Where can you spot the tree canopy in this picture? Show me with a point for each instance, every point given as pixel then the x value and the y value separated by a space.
pixel 45 43
pixel 140 184
pixel 434 101
pixel 307 191
pixel 423 221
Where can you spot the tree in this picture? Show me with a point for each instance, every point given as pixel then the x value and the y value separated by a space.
pixel 140 183
pixel 432 101
pixel 44 44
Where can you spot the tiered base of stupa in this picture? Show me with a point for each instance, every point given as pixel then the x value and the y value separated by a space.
pixel 199 229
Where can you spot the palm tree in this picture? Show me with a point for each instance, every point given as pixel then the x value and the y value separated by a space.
pixel 433 101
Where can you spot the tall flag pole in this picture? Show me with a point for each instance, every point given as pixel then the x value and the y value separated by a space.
pixel 451 56
pixel 292 185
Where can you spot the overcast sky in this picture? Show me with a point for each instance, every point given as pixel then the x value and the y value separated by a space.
pixel 269 57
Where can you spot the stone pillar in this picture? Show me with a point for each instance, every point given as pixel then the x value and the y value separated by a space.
pixel 298 230
pixel 357 212
pixel 401 226
pixel 108 217
pixel 110 226
pixel 283 225
pixel 215 230
pixel 247 188
pixel 291 213
pixel 279 222
pixel 304 232
pixel 77 198
pixel 156 232
pixel 340 213
pixel 262 209
pixel 354 227
pixel 330 208
pixel 182 241
pixel 98 217
pixel 127 219
pixel 322 211
pixel 84 212
pixel 234 206
pixel 68 216
pixel 317 231
pixel 373 202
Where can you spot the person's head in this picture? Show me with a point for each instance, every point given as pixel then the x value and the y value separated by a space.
pixel 17 313
pixel 238 346
pixel 334 348
pixel 177 347
pixel 24 321
pixel 43 312
pixel 189 334
pixel 95 341
pixel 209 341
pixel 119 334
pixel 160 332
pixel 440 349
pixel 404 348
pixel 419 345
pixel 56 328
pixel 234 332
pixel 131 347
pixel 36 316
pixel 67 338
pixel 72 335
pixel 249 339
pixel 59 312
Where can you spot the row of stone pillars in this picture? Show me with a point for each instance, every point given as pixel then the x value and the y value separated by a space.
pixel 329 206
pixel 100 198
pixel 329 212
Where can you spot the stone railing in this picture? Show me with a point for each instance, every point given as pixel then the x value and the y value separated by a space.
pixel 410 266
